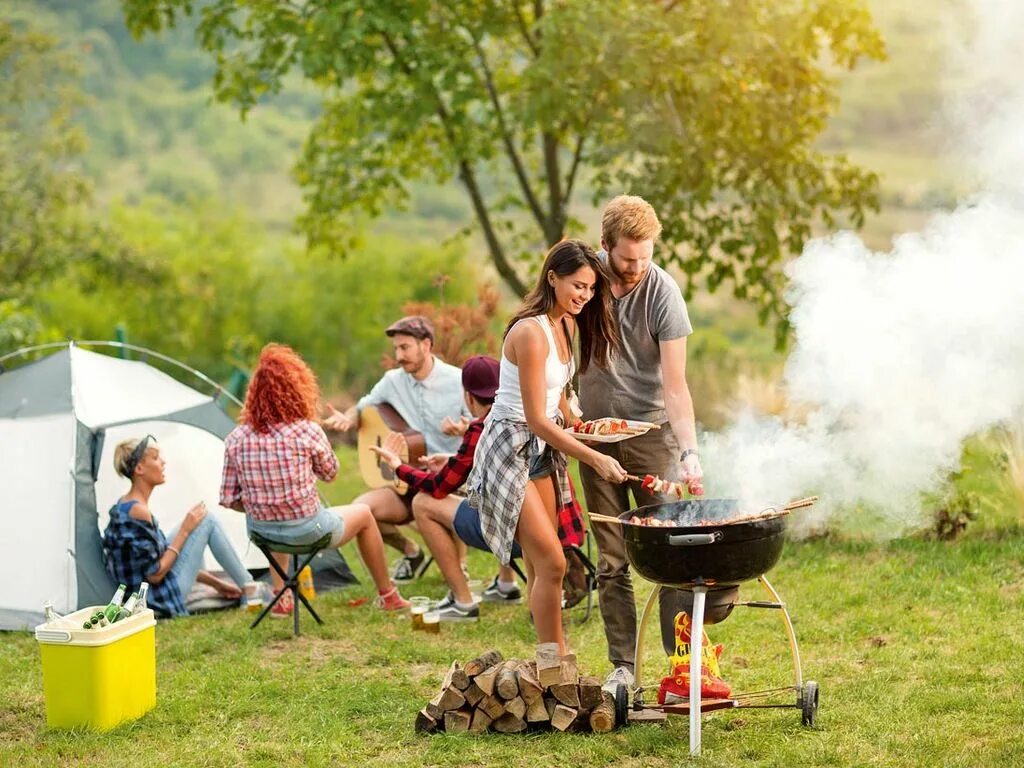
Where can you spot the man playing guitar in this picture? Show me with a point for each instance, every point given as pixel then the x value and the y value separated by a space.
pixel 427 393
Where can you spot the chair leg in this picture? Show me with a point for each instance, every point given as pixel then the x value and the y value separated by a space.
pixel 302 597
pixel 293 584
pixel 284 577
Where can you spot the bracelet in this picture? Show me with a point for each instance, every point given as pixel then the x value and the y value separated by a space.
pixel 175 550
pixel 687 452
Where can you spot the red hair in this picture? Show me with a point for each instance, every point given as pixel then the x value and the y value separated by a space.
pixel 283 390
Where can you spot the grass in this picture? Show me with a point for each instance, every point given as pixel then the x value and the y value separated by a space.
pixel 915 645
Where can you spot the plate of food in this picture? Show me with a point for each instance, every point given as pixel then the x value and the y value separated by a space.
pixel 608 430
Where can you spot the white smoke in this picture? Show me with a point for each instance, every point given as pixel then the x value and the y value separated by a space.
pixel 901 356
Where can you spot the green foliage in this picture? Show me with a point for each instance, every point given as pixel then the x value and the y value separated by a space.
pixel 711 109
pixel 195 281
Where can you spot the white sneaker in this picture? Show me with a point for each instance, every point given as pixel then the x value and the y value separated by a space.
pixel 619 676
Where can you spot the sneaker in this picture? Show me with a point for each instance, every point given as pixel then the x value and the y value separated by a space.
pixel 452 612
pixel 283 608
pixel 391 601
pixel 493 594
pixel 409 567
pixel 619 676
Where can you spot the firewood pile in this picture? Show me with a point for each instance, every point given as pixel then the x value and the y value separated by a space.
pixel 513 695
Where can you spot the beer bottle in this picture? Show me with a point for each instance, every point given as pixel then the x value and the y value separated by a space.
pixel 110 612
pixel 128 608
pixel 49 614
pixel 140 604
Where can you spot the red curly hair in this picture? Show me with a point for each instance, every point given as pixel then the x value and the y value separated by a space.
pixel 283 390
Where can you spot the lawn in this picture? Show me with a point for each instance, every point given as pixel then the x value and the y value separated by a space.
pixel 915 644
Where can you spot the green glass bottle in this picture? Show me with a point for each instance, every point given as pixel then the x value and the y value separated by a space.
pixel 111 611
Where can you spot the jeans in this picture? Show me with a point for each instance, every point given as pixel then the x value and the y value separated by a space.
pixel 207 534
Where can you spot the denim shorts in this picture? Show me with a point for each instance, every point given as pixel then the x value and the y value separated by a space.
pixel 303 531
pixel 467 527
pixel 541 465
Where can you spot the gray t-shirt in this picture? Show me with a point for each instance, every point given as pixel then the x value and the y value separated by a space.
pixel 631 388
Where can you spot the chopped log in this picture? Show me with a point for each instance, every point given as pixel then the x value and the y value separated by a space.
pixel 566 694
pixel 425 723
pixel 456 677
pixel 516 707
pixel 602 719
pixel 562 717
pixel 537 711
pixel 507 683
pixel 590 692
pixel 451 698
pixel 529 685
pixel 550 704
pixel 549 665
pixel 473 694
pixel 493 706
pixel 509 724
pixel 482 662
pixel 433 707
pixel 570 675
pixel 481 721
pixel 485 680
pixel 457 721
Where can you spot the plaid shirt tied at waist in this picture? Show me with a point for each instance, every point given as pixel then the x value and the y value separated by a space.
pixel 497 484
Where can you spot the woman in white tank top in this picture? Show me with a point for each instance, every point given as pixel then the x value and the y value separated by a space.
pixel 519 473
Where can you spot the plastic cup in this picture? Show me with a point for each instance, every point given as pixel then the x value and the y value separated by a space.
pixel 432 622
pixel 417 607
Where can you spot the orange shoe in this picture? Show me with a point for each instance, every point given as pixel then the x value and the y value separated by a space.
pixel 391 600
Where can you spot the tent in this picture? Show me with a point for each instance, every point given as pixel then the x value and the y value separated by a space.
pixel 60 418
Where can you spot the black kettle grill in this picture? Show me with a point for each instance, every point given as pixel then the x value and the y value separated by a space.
pixel 706 548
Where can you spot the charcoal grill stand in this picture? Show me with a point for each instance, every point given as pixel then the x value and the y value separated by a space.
pixel 807 694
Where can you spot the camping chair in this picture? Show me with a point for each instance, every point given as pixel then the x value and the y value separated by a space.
pixel 291 580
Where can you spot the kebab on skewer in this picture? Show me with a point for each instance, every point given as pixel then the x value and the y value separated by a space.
pixel 654 484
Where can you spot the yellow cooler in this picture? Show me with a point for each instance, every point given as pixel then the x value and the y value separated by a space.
pixel 98 678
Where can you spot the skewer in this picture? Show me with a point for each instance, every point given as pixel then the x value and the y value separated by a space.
pixel 594 517
pixel 800 503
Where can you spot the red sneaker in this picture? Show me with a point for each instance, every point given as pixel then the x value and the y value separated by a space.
pixel 391 601
pixel 283 608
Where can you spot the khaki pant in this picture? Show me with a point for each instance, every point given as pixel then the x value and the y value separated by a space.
pixel 655 453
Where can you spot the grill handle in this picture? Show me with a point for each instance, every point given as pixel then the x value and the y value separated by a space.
pixel 693 539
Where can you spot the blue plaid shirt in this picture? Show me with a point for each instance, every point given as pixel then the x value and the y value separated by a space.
pixel 133 549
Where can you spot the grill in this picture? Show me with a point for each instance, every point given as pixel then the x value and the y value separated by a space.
pixel 707 548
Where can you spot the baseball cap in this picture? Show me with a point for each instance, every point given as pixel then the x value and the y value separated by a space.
pixel 416 326
pixel 480 376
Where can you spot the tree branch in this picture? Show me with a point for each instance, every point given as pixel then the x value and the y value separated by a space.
pixel 555 225
pixel 506 137
pixel 525 30
pixel 467 176
pixel 570 179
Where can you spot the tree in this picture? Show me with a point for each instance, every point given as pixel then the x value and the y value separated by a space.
pixel 709 108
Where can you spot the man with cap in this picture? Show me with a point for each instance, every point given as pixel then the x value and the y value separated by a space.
pixel 442 516
pixel 427 393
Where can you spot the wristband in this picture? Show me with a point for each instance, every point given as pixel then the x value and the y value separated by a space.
pixel 687 452
pixel 175 550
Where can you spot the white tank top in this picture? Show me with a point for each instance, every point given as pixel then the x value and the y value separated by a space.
pixel 508 400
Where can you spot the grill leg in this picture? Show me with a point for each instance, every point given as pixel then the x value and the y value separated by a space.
pixel 790 632
pixel 696 654
pixel 641 630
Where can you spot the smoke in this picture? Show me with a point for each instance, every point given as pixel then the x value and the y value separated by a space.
pixel 899 357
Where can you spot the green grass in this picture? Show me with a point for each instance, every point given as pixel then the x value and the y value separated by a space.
pixel 915 645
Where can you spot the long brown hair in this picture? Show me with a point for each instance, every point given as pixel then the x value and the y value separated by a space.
pixel 599 328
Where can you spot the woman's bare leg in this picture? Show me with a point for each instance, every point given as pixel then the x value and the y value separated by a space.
pixel 360 523
pixel 545 562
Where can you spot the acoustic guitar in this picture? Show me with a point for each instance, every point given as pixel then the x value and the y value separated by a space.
pixel 376 422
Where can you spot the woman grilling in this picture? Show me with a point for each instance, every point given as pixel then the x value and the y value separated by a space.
pixel 520 473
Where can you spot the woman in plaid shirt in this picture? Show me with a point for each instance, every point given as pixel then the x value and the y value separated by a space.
pixel 271 463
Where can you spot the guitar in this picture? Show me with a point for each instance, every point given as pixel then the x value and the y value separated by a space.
pixel 376 422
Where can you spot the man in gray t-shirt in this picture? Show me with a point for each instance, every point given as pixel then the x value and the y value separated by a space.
pixel 646 381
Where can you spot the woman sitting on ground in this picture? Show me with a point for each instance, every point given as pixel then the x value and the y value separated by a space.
pixel 271 462
pixel 137 549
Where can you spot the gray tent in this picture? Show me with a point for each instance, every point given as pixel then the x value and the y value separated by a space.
pixel 60 418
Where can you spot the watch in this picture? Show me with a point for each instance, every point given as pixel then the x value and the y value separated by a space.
pixel 687 452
